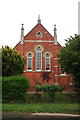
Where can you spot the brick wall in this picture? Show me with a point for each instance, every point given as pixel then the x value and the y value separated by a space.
pixel 47 43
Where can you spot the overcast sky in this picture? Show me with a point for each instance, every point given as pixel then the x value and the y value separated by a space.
pixel 63 13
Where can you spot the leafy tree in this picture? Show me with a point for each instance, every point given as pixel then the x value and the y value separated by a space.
pixel 70 57
pixel 12 62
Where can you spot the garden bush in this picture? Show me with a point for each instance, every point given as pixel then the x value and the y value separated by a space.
pixel 50 89
pixel 14 88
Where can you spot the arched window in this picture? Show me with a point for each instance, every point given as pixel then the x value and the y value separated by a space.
pixel 38 58
pixel 47 61
pixel 29 62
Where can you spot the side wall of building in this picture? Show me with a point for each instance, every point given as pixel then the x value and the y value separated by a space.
pixel 51 77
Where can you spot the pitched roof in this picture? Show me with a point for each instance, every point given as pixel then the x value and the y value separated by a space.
pixel 32 35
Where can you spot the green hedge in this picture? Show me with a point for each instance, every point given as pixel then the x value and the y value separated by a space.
pixel 14 88
pixel 49 88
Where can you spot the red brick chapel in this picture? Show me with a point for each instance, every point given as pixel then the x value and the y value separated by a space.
pixel 40 50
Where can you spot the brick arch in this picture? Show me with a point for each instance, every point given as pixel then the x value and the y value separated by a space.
pixel 38 45
pixel 30 52
pixel 47 52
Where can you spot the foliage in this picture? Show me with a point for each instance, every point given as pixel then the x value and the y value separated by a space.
pixel 14 88
pixel 44 97
pixel 12 62
pixel 49 88
pixel 70 57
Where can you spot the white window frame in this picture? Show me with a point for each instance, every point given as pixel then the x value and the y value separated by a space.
pixel 49 62
pixel 27 62
pixel 41 59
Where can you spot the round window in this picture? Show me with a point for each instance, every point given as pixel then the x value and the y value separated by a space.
pixel 39 34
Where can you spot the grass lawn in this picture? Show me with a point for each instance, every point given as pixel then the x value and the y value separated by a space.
pixel 47 107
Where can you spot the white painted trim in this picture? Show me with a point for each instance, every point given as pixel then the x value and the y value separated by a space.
pixel 38 71
pixel 49 52
pixel 29 70
pixel 56 58
pixel 61 75
pixel 55 66
pixel 38 45
pixel 37 41
pixel 30 52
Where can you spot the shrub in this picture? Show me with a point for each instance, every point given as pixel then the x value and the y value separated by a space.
pixel 39 88
pixel 14 88
pixel 49 88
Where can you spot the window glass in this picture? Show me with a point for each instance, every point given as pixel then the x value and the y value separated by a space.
pixel 38 58
pixel 29 61
pixel 47 62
